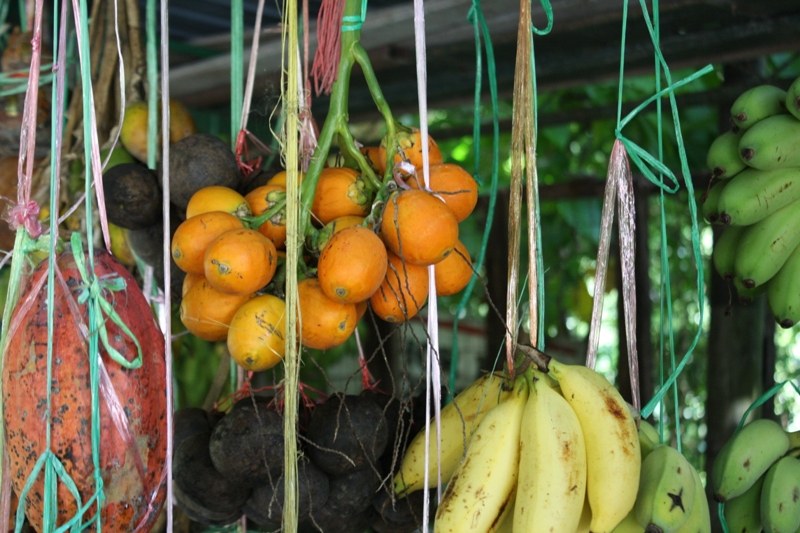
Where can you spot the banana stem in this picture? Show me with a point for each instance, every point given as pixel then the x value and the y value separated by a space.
pixel 537 357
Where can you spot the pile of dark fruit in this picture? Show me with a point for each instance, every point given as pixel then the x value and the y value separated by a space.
pixel 229 466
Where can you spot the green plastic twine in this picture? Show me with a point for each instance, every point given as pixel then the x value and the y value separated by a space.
pixel 761 400
pixel 152 84
pixel 354 22
pixel 645 162
pixel 475 16
pixel 237 67
pixel 548 11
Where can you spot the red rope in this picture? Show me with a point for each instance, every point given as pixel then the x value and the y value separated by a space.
pixel 329 45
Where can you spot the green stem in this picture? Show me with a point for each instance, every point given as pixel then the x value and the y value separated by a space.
pixel 348 146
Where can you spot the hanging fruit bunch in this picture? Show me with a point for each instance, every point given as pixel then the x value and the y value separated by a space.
pixel 556 451
pixel 757 198
pixel 757 476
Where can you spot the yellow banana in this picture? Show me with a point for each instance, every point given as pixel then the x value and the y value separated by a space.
pixel 586 518
pixel 459 419
pixel 505 522
pixel 666 491
pixel 613 454
pixel 551 486
pixel 648 438
pixel 483 484
pixel 629 524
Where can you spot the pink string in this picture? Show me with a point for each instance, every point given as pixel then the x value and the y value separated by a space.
pixel 329 45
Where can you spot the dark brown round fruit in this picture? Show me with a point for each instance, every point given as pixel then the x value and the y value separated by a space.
pixel 132 196
pixel 199 161
pixel 247 444
pixel 194 473
pixel 265 505
pixel 198 513
pixel 352 493
pixel 346 433
pixel 187 422
pixel 398 515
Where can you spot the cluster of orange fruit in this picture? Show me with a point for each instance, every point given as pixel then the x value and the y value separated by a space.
pixel 363 261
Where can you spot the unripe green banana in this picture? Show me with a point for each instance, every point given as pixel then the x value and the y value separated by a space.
pixel 793 98
pixel 459 419
pixel 772 143
pixel 757 104
pixel 699 520
pixel 629 524
pixel 724 255
pixel 666 491
pixel 723 156
pixel 783 292
pixel 746 457
pixel 709 202
pixel 754 194
pixel 648 438
pixel 780 497
pixel 747 296
pixel 743 513
pixel 765 246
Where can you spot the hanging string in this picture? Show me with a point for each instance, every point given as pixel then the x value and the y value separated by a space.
pixel 475 16
pixel 237 66
pixel 329 45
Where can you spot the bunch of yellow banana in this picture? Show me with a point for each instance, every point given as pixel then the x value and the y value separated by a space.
pixel 555 452
pixel 757 197
pixel 757 476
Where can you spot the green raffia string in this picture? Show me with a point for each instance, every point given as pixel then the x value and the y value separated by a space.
pixel 475 16
pixel 761 400
pixel 152 84
pixel 354 22
pixel 548 10
pixel 237 67
pixel 646 163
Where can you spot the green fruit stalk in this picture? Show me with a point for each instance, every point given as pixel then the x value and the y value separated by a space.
pixel 746 457
pixel 752 195
pixel 723 156
pixel 772 143
pixel 757 104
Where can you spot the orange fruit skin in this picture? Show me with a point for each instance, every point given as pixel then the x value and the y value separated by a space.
pixel 261 200
pixel 339 193
pixel 453 272
pixel 410 149
pixel 133 133
pixel 454 185
pixel 189 281
pixel 207 312
pixel 352 265
pixel 373 155
pixel 324 324
pixel 217 198
pixel 418 227
pixel 240 261
pixel 257 333
pixel 402 293
pixel 181 122
pixel 280 178
pixel 195 234
pixel 335 226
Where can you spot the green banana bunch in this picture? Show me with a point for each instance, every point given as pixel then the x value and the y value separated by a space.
pixel 783 292
pixel 754 194
pixel 710 201
pixel 746 456
pixel 459 419
pixel 699 520
pixel 723 156
pixel 648 438
pixel 793 99
pixel 613 455
pixel 666 491
pixel 743 513
pixel 747 296
pixel 757 104
pixel 482 486
pixel 765 246
pixel 724 255
pixel 551 486
pixel 772 143
pixel 780 497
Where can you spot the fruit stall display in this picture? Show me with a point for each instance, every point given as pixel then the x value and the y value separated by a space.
pixel 271 265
